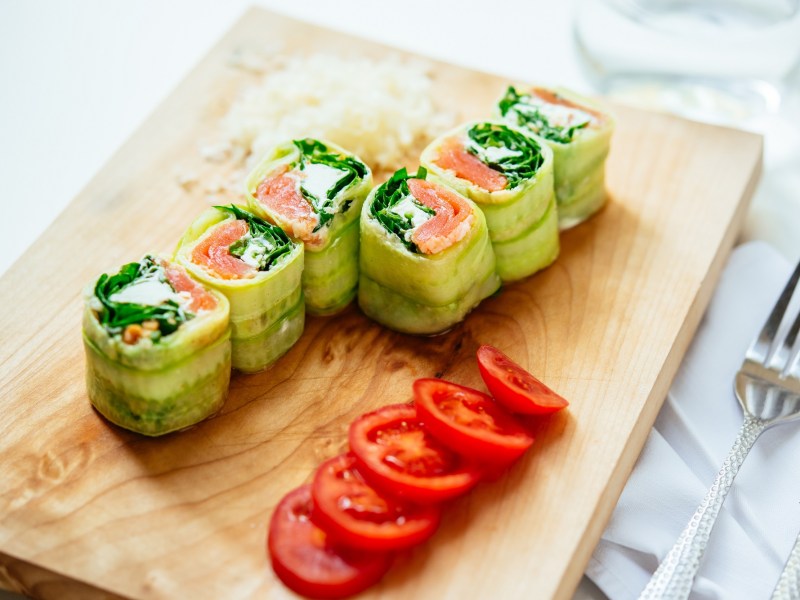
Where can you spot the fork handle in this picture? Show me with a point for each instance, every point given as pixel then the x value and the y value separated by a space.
pixel 788 587
pixel 674 577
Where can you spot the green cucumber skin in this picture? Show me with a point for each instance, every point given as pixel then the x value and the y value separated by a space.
pixel 507 212
pixel 418 293
pixel 532 250
pixel 325 293
pixel 434 280
pixel 250 298
pixel 259 352
pixel 576 166
pixel 158 401
pixel 190 338
pixel 330 278
pixel 588 200
pixel 406 315
pixel 254 325
pixel 260 306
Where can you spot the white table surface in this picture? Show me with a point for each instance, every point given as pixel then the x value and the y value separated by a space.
pixel 78 77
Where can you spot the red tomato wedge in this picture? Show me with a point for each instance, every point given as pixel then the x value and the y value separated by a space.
pixel 181 282
pixel 357 515
pixel 454 157
pixel 305 559
pixel 451 223
pixel 212 251
pixel 469 421
pixel 515 388
pixel 398 455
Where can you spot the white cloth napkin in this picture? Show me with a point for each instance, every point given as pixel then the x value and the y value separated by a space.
pixel 692 435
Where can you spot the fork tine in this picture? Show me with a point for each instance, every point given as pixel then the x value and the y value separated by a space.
pixel 782 358
pixel 792 364
pixel 759 350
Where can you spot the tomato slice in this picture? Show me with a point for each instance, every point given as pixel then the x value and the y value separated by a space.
pixel 515 388
pixel 305 560
pixel 469 421
pixel 357 515
pixel 399 456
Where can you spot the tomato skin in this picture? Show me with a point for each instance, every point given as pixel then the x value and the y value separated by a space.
pixel 357 515
pixel 398 456
pixel 308 563
pixel 515 388
pixel 469 421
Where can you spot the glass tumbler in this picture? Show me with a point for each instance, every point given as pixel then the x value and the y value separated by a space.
pixel 722 61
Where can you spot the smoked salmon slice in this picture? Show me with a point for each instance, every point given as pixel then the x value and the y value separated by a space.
pixel 258 268
pixel 550 97
pixel 280 194
pixel 314 190
pixel 213 252
pixel 181 282
pixel 453 156
pixel 450 224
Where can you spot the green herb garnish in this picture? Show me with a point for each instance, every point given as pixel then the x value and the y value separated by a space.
pixel 521 158
pixel 315 152
pixel 264 242
pixel 528 115
pixel 116 316
pixel 392 192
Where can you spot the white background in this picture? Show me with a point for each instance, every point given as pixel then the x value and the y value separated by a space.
pixel 78 77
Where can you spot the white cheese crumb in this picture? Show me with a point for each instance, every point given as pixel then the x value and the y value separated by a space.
pixel 148 291
pixel 319 179
pixel 556 114
pixel 408 208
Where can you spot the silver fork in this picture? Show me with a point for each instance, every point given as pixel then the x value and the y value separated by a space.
pixel 788 587
pixel 768 389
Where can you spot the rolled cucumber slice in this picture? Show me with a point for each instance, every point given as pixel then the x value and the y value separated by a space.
pixel 335 183
pixel 532 250
pixel 264 301
pixel 157 345
pixel 414 292
pixel 526 162
pixel 158 401
pixel 578 132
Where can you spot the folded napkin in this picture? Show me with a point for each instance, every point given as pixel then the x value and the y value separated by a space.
pixel 692 435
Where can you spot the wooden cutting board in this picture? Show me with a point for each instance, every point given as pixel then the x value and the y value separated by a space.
pixel 88 510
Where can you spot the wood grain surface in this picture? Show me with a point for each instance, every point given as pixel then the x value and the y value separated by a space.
pixel 87 506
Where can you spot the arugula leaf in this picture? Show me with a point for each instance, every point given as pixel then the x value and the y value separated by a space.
pixel 116 316
pixel 392 192
pixel 265 241
pixel 523 156
pixel 315 152
pixel 532 118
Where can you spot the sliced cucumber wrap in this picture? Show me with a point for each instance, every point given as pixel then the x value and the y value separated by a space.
pixel 331 252
pixel 330 277
pixel 269 301
pixel 158 401
pixel 579 151
pixel 168 379
pixel 250 354
pixel 532 250
pixel 512 214
pixel 419 293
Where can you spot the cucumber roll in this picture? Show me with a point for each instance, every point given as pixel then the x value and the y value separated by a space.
pixel 258 269
pixel 426 257
pixel 579 135
pixel 509 175
pixel 158 351
pixel 314 190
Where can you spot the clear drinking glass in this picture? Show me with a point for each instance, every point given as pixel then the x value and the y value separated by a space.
pixel 715 60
